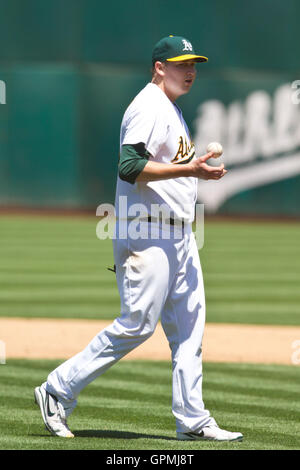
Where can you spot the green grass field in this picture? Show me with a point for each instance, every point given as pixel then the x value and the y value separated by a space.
pixel 56 267
pixel 129 407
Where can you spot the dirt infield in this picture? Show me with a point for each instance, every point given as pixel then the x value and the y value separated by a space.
pixel 60 339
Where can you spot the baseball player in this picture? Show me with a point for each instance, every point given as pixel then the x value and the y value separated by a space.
pixel 158 273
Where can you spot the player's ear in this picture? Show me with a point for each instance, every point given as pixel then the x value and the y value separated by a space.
pixel 159 68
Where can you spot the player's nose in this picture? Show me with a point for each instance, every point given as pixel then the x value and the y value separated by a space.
pixel 191 71
pixel 191 74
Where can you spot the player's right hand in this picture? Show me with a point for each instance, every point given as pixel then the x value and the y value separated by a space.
pixel 200 169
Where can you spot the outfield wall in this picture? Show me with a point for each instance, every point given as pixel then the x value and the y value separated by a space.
pixel 71 67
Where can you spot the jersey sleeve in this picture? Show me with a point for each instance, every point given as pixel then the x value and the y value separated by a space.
pixel 133 159
pixel 146 126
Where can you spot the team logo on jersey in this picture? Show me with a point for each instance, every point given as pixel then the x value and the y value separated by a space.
pixel 185 152
pixel 187 45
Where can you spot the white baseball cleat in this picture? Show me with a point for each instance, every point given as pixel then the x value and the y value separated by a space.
pixel 53 413
pixel 210 433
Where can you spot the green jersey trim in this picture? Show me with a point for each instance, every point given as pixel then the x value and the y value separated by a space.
pixel 132 161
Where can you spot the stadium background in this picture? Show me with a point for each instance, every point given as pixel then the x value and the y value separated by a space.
pixel 70 68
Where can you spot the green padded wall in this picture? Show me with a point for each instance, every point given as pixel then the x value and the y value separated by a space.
pixel 72 66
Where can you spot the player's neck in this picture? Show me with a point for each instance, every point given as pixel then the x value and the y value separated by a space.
pixel 163 87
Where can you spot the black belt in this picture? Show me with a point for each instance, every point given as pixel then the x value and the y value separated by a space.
pixel 171 221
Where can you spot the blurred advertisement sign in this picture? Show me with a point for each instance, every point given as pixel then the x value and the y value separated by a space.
pixel 2 92
pixel 260 138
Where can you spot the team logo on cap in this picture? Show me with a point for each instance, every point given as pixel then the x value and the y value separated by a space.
pixel 187 45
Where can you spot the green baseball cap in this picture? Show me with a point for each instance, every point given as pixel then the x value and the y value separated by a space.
pixel 173 49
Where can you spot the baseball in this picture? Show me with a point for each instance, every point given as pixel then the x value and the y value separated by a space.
pixel 216 148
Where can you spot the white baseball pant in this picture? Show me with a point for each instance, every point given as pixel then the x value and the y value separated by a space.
pixel 157 278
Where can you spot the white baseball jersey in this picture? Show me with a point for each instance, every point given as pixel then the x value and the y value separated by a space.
pixel 153 119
